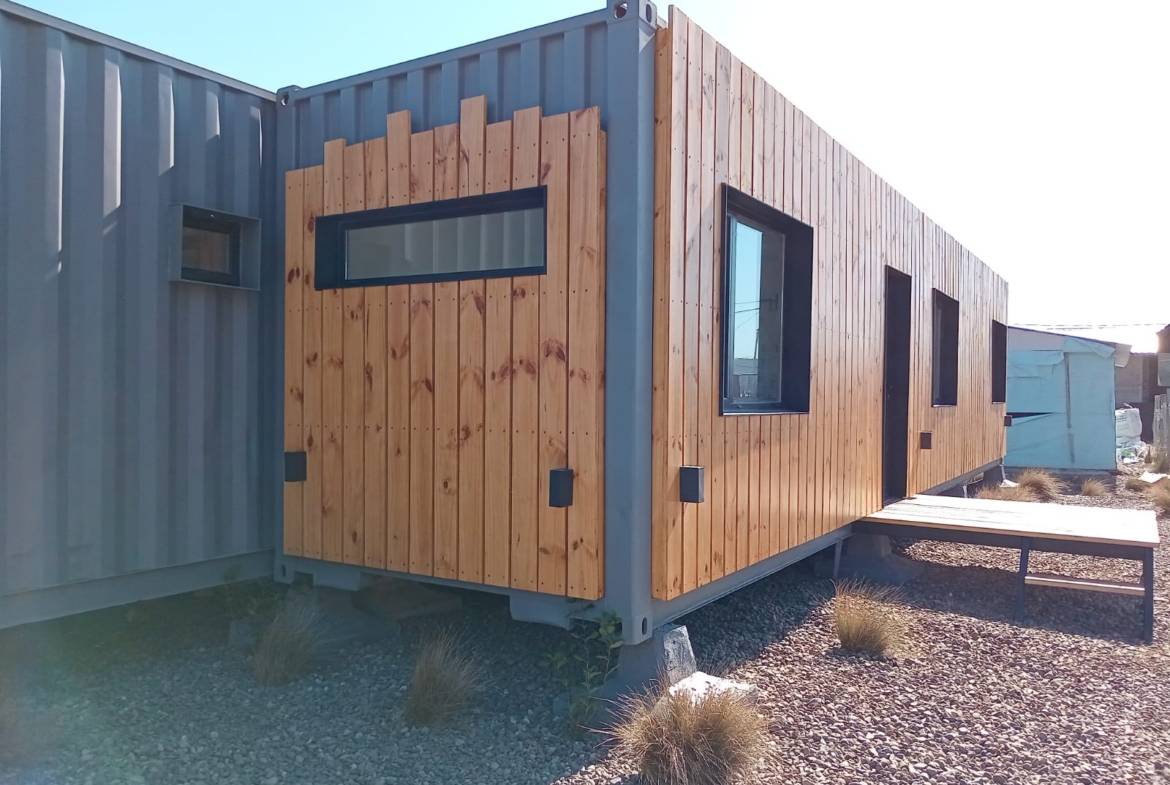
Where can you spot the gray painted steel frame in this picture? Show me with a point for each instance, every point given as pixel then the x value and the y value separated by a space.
pixel 130 405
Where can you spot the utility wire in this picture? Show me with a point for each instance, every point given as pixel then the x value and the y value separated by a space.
pixel 1090 326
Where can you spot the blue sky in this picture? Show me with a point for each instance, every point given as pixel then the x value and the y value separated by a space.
pixel 1035 133
pixel 272 43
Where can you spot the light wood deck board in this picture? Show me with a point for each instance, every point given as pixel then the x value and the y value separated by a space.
pixel 1024 519
pixel 1085 584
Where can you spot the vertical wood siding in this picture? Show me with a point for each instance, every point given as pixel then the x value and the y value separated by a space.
pixel 432 413
pixel 777 481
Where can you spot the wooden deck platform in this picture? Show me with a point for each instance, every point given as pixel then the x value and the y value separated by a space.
pixel 1030 526
pixel 1025 519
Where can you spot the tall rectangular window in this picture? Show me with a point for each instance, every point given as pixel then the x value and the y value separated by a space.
pixel 998 362
pixel 488 236
pixel 767 307
pixel 944 366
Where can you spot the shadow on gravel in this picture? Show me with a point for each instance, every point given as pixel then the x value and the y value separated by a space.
pixel 990 594
pixel 737 628
pixel 84 646
pixel 845 655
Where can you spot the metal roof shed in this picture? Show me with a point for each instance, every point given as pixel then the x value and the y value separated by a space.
pixel 1060 394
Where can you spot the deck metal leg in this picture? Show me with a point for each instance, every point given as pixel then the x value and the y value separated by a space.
pixel 1025 552
pixel 837 558
pixel 1148 599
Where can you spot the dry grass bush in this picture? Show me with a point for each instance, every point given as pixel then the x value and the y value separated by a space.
pixel 1159 462
pixel 1160 496
pixel 1135 484
pixel 445 679
pixel 1093 487
pixel 1042 484
pixel 10 738
pixel 864 621
pixel 24 738
pixel 1007 493
pixel 289 644
pixel 683 739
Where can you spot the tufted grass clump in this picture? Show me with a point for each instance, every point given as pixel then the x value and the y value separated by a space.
pixel 1136 484
pixel 288 645
pixel 10 725
pixel 1043 485
pixel 25 737
pixel 864 620
pixel 689 739
pixel 1093 487
pixel 445 679
pixel 1007 493
pixel 1160 496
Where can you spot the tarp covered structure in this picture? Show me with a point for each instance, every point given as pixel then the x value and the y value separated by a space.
pixel 1060 393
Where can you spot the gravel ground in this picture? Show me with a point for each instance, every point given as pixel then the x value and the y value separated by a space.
pixel 1073 697
pixel 194 714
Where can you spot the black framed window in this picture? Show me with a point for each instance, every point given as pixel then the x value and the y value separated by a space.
pixel 767 307
pixel 210 247
pixel 998 362
pixel 487 236
pixel 944 365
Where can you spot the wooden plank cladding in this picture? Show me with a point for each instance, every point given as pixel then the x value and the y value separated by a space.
pixel 431 413
pixel 776 481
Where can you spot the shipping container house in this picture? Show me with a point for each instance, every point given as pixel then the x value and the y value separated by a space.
pixel 588 315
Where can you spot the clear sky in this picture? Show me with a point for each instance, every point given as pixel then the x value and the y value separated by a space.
pixel 1035 132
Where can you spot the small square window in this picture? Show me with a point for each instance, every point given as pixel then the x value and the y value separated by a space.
pixel 767 307
pixel 998 362
pixel 210 247
pixel 944 366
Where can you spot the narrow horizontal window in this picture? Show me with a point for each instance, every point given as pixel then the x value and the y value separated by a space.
pixel 486 236
pixel 210 247
pixel 944 366
pixel 767 302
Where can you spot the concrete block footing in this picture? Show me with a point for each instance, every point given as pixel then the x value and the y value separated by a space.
pixel 870 557
pixel 665 658
pixel 342 623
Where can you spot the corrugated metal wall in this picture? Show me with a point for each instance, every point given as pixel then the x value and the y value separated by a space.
pixel 560 67
pixel 131 406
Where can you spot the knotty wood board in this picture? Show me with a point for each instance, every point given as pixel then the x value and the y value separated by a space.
pixel 431 413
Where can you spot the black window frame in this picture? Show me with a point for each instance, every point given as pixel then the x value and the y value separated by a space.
pixel 330 272
pixel 220 223
pixel 944 352
pixel 796 305
pixel 999 336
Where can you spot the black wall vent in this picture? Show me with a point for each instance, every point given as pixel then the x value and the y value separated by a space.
pixel 560 487
pixel 295 467
pixel 690 483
